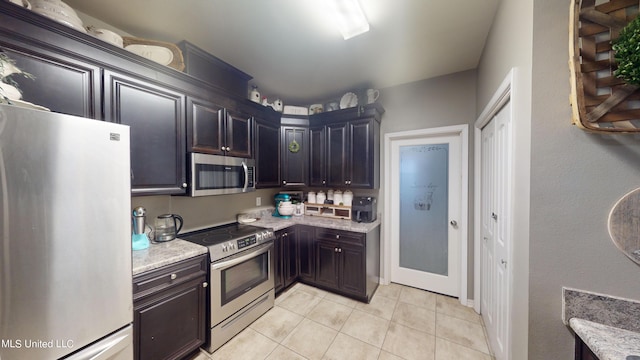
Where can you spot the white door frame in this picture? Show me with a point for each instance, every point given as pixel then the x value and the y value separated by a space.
pixel 499 99
pixel 456 130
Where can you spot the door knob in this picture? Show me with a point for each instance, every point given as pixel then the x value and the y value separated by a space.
pixel 494 216
pixel 503 262
pixel 453 223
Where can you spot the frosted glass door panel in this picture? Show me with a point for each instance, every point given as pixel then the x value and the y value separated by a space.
pixel 424 194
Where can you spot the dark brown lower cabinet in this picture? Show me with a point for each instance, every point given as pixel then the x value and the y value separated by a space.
pixel 169 307
pixel 583 352
pixel 285 258
pixel 341 264
pixel 306 253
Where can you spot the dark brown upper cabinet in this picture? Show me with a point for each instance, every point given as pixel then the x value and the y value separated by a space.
pixel 155 115
pixel 63 84
pixel 238 133
pixel 215 129
pixel 294 159
pixel 345 148
pixel 267 153
pixel 317 156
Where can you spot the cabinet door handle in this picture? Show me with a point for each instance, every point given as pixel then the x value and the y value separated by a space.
pixel 284 182
pixel 335 249
pixel 228 148
pixel 174 276
pixel 324 182
pixel 222 148
pixel 205 284
pixel 339 250
pixel 338 236
pixel 184 185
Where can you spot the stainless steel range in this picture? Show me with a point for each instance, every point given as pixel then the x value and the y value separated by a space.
pixel 242 277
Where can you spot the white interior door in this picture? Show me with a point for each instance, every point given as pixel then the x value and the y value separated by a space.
pixel 496 229
pixel 426 190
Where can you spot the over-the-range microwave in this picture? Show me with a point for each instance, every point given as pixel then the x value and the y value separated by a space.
pixel 219 175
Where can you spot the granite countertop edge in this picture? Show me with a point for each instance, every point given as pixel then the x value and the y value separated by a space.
pixel 607 342
pixel 277 223
pixel 162 254
pixel 167 253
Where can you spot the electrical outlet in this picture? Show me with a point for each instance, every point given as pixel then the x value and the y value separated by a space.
pixel 258 201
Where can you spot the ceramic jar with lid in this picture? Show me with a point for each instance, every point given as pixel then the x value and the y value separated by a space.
pixel 337 198
pixel 330 194
pixel 321 197
pixel 311 197
pixel 347 198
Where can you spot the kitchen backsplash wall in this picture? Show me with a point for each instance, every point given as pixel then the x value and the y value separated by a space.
pixel 205 211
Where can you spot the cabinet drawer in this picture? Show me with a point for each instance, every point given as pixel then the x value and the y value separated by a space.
pixel 171 275
pixel 340 236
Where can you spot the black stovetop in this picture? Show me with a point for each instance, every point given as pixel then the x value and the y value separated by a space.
pixel 220 234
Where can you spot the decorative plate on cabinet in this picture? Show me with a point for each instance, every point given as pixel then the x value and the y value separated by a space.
pixel 348 100
pixel 159 54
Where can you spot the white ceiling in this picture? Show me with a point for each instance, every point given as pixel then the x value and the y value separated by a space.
pixel 293 51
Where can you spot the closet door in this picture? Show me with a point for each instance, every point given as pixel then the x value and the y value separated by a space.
pixel 487 297
pixel 496 229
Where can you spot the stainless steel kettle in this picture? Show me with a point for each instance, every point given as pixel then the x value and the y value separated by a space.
pixel 167 227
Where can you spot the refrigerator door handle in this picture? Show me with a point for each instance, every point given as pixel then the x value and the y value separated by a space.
pixel 116 346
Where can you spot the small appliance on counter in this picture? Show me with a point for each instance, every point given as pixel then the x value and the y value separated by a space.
pixel 364 209
pixel 167 227
pixel 294 196
pixel 139 238
pixel 285 200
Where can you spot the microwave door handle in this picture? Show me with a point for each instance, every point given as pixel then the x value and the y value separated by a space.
pixel 240 259
pixel 246 176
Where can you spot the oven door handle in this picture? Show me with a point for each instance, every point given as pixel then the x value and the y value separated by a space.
pixel 237 259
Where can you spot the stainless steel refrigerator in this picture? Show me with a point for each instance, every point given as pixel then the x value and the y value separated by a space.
pixel 65 227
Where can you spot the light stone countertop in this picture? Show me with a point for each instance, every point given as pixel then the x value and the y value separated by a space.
pixel 266 220
pixel 161 254
pixel 166 253
pixel 607 342
pixel 608 325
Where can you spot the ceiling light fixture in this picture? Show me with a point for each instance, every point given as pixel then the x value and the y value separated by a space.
pixel 349 17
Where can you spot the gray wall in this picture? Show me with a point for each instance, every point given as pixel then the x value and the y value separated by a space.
pixel 442 101
pixel 576 177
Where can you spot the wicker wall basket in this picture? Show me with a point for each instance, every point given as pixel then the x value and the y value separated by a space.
pixel 178 60
pixel 600 101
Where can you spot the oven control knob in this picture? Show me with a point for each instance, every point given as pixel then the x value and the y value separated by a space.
pixel 224 248
pixel 259 236
pixel 231 246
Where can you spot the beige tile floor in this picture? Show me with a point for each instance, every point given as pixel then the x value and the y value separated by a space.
pixel 400 323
